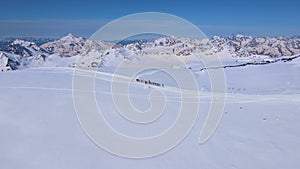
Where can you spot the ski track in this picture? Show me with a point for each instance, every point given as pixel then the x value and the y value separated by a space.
pixel 230 97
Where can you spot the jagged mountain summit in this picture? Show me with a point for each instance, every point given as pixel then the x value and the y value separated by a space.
pixel 21 54
pixel 71 45
pixel 66 46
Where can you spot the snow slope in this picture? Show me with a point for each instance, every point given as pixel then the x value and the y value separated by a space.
pixel 259 129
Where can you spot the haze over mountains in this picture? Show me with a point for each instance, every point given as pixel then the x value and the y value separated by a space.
pixel 20 54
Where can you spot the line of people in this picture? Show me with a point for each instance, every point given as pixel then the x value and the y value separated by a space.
pixel 150 83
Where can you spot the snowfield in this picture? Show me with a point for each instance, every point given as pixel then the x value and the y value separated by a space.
pixel 39 128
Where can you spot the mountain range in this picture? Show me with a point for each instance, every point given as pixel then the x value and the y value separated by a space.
pixel 25 53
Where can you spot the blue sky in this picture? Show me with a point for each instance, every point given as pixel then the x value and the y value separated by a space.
pixel 56 18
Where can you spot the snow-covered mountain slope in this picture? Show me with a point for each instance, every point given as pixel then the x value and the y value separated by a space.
pixel 10 61
pixel 23 54
pixel 3 62
pixel 25 49
pixel 259 129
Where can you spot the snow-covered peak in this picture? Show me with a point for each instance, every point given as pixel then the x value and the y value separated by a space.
pixel 24 43
pixel 66 46
pixel 166 41
pixel 32 48
pixel 71 45
pixel 240 36
pixel 71 37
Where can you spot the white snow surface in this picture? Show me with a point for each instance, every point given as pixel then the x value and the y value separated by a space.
pixel 260 126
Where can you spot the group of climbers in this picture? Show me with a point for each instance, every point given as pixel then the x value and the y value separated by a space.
pixel 150 83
